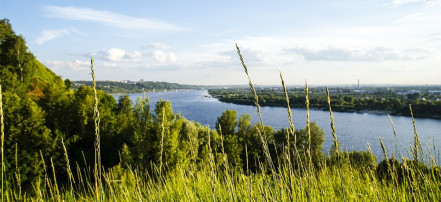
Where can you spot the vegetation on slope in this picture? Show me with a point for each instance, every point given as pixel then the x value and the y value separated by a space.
pixel 125 87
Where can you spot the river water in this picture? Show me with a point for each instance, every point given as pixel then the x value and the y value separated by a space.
pixel 354 130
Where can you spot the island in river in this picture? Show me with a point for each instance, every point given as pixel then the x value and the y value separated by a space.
pixel 425 101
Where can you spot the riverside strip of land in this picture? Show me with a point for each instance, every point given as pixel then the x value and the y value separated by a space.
pixel 425 100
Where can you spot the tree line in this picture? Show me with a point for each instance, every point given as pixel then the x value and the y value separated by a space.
pixel 388 103
pixel 132 87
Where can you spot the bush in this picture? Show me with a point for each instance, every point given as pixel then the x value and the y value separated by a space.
pixel 388 169
pixel 362 159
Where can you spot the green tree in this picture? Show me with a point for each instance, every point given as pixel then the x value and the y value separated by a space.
pixel 226 125
pixel 189 144
pixel 27 135
pixel 227 122
pixel 68 83
pixel 254 144
pixel 81 133
pixel 317 139
pixel 125 119
pixel 143 141
pixel 243 125
pixel 166 140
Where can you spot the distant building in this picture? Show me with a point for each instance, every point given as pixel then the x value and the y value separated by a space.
pixel 434 92
pixel 360 91
pixel 408 92
pixel 332 91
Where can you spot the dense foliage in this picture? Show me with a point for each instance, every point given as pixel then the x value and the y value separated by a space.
pixel 133 87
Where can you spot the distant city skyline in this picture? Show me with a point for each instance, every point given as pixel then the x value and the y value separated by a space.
pixel 390 42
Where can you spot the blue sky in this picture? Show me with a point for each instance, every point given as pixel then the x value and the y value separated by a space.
pixel 193 42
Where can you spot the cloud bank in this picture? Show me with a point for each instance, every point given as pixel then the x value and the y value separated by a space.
pixel 109 18
pixel 116 55
pixel 163 57
pixel 156 45
pixel 347 54
pixel 77 65
pixel 47 35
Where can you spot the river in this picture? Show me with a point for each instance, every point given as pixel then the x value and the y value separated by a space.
pixel 354 130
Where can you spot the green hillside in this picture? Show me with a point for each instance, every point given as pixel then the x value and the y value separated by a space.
pixel 20 71
pixel 45 73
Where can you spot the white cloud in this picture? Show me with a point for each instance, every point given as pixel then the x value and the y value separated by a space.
pixel 172 57
pixel 427 2
pixel 251 54
pixel 401 2
pixel 270 53
pixel 191 58
pixel 109 64
pixel 47 35
pixel 55 64
pixel 411 18
pixel 157 45
pixel 159 56
pixel 117 55
pixel 435 37
pixel 77 65
pixel 418 18
pixel 109 18
pixel 163 57
pixel 348 54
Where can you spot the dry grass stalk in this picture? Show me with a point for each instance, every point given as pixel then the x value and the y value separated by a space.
pixel 56 190
pixel 46 180
pixel 212 171
pixel 256 102
pixel 96 116
pixel 162 140
pixel 2 139
pixel 308 130
pixel 17 171
pixel 395 134
pixel 417 145
pixel 69 171
pixel 336 143
pixel 292 132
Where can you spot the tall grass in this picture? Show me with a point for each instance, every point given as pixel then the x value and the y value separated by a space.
pixel 256 102
pixel 397 150
pixel 162 141
pixel 417 149
pixel 336 143
pixel 96 116
pixel 2 138
pixel 308 130
pixel 291 131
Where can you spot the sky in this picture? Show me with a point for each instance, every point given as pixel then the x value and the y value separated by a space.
pixel 391 42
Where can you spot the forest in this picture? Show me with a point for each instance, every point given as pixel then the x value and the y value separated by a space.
pixel 60 143
pixel 125 87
